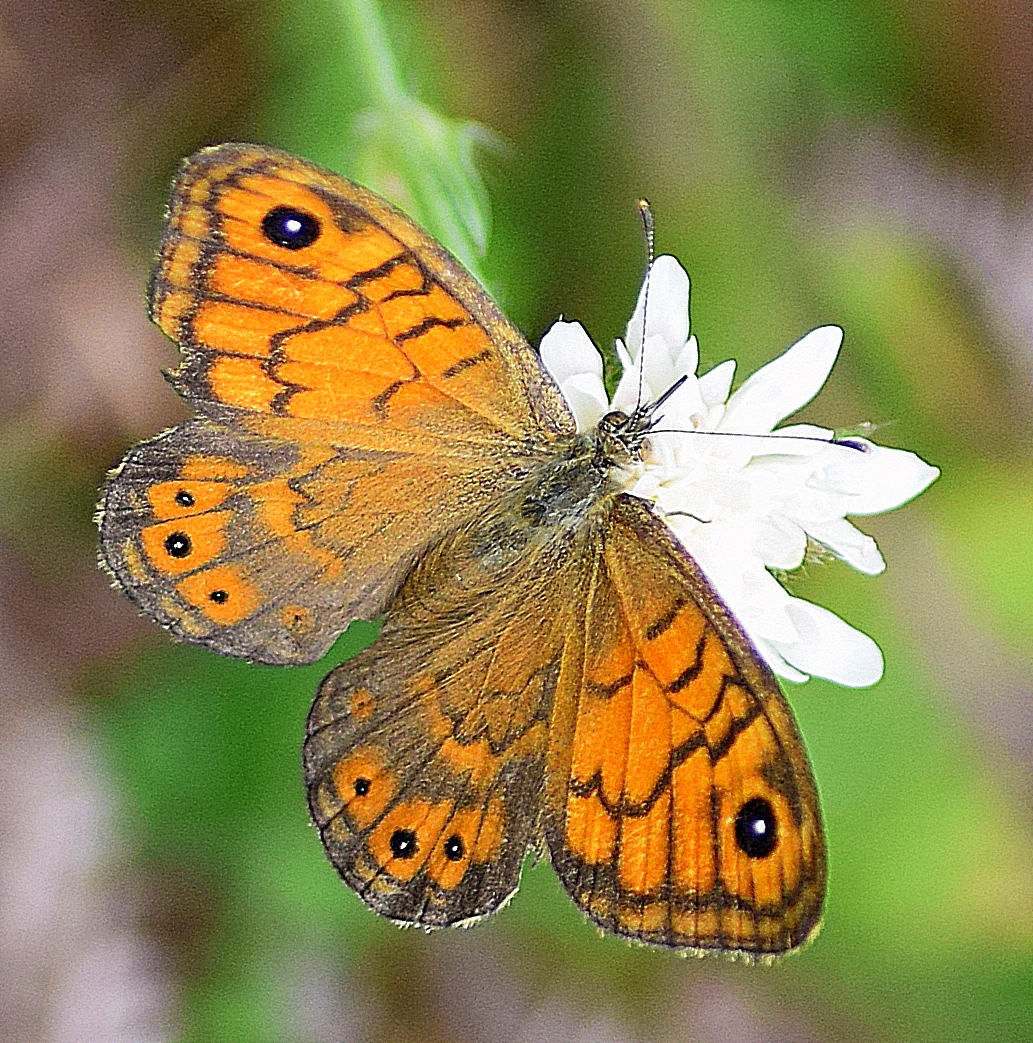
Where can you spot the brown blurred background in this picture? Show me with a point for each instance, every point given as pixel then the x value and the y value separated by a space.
pixel 864 162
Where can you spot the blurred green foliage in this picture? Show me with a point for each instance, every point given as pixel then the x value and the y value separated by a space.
pixel 703 108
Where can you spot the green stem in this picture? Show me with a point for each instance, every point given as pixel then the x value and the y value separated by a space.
pixel 367 26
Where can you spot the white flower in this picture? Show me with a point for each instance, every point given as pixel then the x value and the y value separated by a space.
pixel 744 506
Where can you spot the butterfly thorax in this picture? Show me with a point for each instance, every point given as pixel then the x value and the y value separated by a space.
pixel 571 487
pixel 562 490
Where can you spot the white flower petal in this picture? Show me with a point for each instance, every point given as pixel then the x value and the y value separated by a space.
pixel 687 361
pixel 626 360
pixel 777 663
pixel 831 648
pixel 741 496
pixel 646 486
pixel 626 397
pixel 566 350
pixel 668 305
pixel 685 408
pixel 659 366
pixel 751 593
pixel 780 543
pixel 587 399
pixel 715 384
pixel 848 542
pixel 785 384
pixel 765 615
pixel 762 619
pixel 879 478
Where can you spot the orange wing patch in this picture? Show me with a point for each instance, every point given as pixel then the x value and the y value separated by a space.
pixel 223 594
pixel 180 499
pixel 187 543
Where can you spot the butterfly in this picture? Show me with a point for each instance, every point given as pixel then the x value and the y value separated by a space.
pixel 554 673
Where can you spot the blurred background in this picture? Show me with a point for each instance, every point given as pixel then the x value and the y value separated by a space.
pixel 864 162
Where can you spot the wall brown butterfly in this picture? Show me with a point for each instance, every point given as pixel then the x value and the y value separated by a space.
pixel 374 439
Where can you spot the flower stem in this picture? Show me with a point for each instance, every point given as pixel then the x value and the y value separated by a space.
pixel 421 160
pixel 366 23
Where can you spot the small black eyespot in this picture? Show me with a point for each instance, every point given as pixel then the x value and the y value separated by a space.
pixel 290 228
pixel 755 829
pixel 220 597
pixel 184 499
pixel 403 843
pixel 454 849
pixel 177 545
pixel 362 787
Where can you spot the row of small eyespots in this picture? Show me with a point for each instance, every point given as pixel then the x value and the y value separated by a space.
pixel 222 592
pixel 416 830
pixel 177 547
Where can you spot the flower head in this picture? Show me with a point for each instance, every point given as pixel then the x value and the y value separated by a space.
pixel 743 506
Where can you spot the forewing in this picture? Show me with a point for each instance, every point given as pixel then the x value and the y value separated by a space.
pixel 360 397
pixel 683 811
pixel 367 322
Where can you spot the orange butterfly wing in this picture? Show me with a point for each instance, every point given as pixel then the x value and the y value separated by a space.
pixel 425 756
pixel 362 319
pixel 589 693
pixel 359 395
pixel 682 811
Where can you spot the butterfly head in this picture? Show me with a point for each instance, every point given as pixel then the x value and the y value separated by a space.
pixel 620 436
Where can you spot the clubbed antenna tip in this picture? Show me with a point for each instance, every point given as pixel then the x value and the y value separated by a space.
pixel 646 213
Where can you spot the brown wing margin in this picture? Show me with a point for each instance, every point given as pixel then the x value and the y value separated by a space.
pixel 681 737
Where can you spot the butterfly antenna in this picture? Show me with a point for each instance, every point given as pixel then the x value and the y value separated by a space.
pixel 666 395
pixel 847 443
pixel 645 211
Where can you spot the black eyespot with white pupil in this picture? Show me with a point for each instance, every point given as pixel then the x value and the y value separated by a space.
pixel 220 597
pixel 756 831
pixel 361 787
pixel 184 499
pixel 454 849
pixel 177 544
pixel 291 228
pixel 403 843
